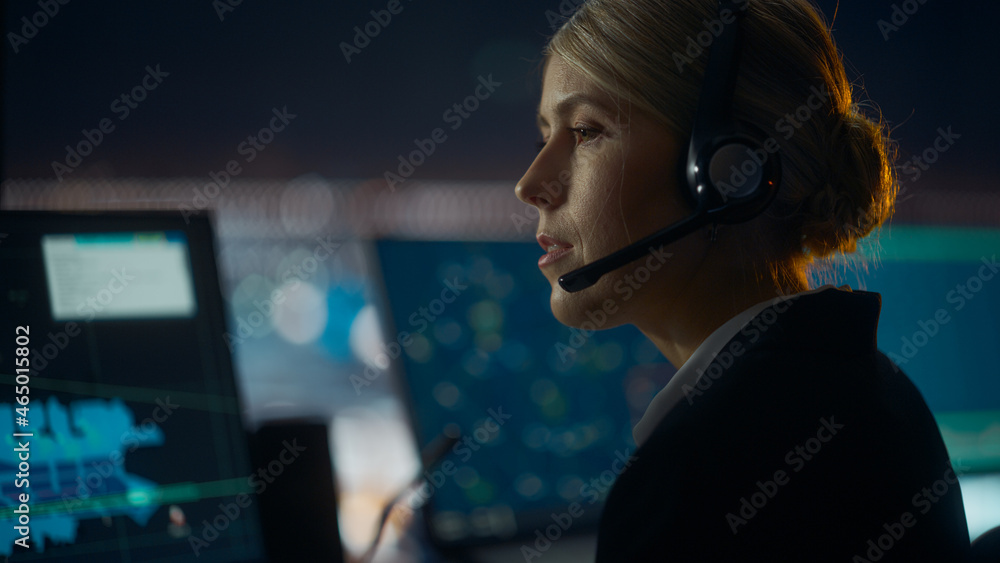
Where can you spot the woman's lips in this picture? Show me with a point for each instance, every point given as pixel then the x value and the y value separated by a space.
pixel 553 256
pixel 555 249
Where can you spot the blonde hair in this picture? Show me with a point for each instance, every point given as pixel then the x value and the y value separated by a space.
pixel 838 180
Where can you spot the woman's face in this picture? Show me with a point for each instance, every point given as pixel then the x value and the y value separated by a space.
pixel 605 177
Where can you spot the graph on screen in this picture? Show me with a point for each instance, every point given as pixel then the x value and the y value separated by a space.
pixel 77 470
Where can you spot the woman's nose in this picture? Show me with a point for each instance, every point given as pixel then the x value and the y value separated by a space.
pixel 542 184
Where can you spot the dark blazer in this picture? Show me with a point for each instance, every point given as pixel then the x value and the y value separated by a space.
pixel 811 446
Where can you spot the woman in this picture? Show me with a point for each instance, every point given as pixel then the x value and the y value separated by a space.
pixel 785 433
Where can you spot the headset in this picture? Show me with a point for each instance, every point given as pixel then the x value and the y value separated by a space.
pixel 730 174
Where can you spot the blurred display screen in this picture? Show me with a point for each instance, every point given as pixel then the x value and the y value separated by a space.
pixel 539 408
pixel 127 432
pixel 88 275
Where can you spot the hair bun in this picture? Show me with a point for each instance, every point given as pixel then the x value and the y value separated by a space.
pixel 858 189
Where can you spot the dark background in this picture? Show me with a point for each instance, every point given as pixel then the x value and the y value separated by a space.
pixel 353 120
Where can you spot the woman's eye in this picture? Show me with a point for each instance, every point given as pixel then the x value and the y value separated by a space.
pixel 585 134
pixel 581 135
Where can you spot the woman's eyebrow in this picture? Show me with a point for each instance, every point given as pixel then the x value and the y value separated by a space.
pixel 570 102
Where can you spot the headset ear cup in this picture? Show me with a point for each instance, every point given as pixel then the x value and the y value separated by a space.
pixel 744 177
pixel 732 177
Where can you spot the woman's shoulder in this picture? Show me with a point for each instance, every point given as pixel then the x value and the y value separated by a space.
pixel 812 426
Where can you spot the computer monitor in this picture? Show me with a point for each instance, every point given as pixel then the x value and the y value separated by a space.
pixel 539 409
pixel 119 406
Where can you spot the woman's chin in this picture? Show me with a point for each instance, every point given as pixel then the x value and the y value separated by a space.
pixel 585 309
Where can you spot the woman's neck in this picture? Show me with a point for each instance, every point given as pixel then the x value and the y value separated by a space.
pixel 677 326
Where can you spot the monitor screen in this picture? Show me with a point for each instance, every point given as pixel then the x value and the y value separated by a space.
pixel 540 410
pixel 119 413
pixel 118 275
